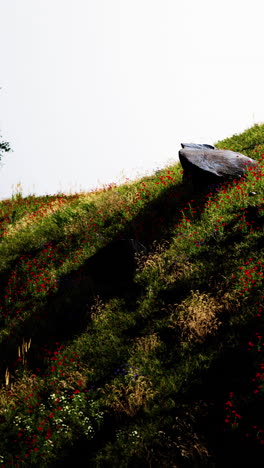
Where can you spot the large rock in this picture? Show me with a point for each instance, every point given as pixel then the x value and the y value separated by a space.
pixel 206 165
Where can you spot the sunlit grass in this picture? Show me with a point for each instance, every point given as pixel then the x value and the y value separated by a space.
pixel 132 367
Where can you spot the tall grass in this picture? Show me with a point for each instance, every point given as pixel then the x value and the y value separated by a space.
pixel 169 373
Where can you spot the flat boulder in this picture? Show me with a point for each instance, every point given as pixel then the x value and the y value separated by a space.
pixel 205 164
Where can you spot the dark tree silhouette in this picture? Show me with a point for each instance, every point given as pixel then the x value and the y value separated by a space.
pixel 4 146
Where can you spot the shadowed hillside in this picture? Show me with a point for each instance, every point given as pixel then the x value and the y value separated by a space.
pixel 131 323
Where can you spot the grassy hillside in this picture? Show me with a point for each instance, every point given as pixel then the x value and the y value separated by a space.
pixel 169 371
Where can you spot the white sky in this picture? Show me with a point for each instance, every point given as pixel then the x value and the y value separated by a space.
pixel 96 89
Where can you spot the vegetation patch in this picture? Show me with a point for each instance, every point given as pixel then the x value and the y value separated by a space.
pixel 167 370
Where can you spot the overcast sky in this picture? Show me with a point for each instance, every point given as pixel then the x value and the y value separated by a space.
pixel 94 91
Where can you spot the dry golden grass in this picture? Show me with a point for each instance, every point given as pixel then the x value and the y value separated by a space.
pixel 17 391
pixel 189 442
pixel 153 262
pixel 196 317
pixel 159 264
pixel 98 309
pixel 70 379
pixel 129 397
pixel 147 344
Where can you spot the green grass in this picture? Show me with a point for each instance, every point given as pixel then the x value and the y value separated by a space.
pixel 167 374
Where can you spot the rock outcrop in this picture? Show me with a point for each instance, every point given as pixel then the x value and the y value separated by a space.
pixel 206 165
